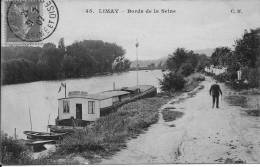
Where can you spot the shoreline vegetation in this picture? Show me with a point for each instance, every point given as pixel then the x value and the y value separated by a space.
pixel 106 136
pixel 50 62
pixel 244 58
pixel 110 133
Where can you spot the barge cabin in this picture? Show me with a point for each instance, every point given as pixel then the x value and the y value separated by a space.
pixel 81 108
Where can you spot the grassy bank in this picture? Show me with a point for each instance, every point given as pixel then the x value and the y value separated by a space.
pixel 106 136
pixel 14 151
pixel 192 81
pixel 110 133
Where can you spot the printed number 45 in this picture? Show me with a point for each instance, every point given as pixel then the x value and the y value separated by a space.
pixel 89 11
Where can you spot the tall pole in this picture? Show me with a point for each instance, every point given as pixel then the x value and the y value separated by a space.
pixel 30 118
pixel 48 122
pixel 15 133
pixel 137 63
pixel 65 89
pixel 137 68
pixel 258 85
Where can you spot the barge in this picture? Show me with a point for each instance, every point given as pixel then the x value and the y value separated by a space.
pixel 81 109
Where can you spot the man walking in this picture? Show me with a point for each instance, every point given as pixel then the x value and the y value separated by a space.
pixel 215 91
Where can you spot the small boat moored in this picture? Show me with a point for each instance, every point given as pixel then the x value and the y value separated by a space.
pixel 44 135
pixel 38 145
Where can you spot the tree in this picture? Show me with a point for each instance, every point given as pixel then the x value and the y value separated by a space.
pixel 68 66
pixel 49 45
pixel 185 62
pixel 19 70
pixel 220 56
pixel 95 56
pixel 61 44
pixel 121 64
pixel 175 60
pixel 247 48
pixel 203 61
pixel 50 62
pixel 127 64
pixel 244 57
pixel 84 58
pixel 187 69
pixel 21 52
pixel 172 82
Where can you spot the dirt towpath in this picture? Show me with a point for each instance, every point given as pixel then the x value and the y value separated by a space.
pixel 202 135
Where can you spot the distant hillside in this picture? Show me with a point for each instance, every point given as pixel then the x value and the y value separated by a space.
pixel 145 63
pixel 207 51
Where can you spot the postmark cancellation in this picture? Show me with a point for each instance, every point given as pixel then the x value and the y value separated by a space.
pixel 28 21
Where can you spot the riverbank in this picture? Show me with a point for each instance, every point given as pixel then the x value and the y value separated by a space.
pixel 110 133
pixel 107 135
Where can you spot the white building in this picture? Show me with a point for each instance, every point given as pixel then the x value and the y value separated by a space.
pixel 215 70
pixel 88 107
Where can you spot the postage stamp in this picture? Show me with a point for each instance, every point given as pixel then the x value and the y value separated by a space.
pixel 30 20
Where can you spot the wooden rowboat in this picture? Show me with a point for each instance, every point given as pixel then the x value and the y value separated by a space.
pixel 44 135
pixel 38 145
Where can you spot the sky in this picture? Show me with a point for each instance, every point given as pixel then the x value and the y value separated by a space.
pixel 195 24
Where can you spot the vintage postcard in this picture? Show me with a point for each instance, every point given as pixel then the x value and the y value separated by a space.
pixel 130 82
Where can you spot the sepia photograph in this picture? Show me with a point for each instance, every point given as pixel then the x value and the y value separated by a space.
pixel 110 82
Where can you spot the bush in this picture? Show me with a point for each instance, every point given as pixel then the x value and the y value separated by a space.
pixel 13 151
pixel 253 78
pixel 249 74
pixel 222 77
pixel 172 82
pixel 187 69
pixel 192 81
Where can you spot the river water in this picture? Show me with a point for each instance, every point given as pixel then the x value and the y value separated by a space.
pixel 41 98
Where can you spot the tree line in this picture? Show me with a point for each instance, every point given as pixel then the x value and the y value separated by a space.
pixel 50 62
pixel 180 64
pixel 245 57
pixel 185 62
